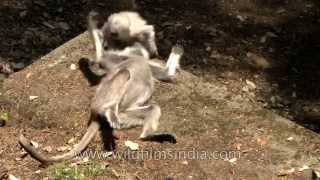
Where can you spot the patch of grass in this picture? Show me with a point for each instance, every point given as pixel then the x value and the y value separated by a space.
pixel 94 169
pixel 66 171
pixel 74 172
pixel 4 116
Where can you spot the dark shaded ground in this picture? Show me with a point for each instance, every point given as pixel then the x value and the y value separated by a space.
pixel 217 35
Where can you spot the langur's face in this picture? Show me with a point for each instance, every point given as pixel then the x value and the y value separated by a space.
pixel 119 27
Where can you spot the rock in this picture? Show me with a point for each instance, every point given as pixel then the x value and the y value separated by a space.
pixel 257 61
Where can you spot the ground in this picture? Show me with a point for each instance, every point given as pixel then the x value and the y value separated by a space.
pixel 246 57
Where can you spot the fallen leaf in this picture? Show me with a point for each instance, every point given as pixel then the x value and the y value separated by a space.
pixel 71 140
pixel 251 84
pixel 305 167
pixel 28 75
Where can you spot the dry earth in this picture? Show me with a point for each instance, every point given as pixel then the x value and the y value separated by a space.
pixel 214 109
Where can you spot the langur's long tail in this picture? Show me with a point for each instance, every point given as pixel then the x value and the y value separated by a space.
pixel 78 148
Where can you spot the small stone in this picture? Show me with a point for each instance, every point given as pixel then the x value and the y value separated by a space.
pixel 233 160
pixel 289 138
pixel 64 25
pixel 38 171
pixel 73 67
pixel 47 149
pixel 33 97
pixel 257 61
pixel 273 99
pixel 132 145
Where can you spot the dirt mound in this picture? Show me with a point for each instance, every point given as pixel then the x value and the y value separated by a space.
pixel 50 101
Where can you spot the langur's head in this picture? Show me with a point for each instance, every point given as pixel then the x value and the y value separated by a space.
pixel 119 27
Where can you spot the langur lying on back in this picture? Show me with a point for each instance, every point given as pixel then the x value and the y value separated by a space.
pixel 122 98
